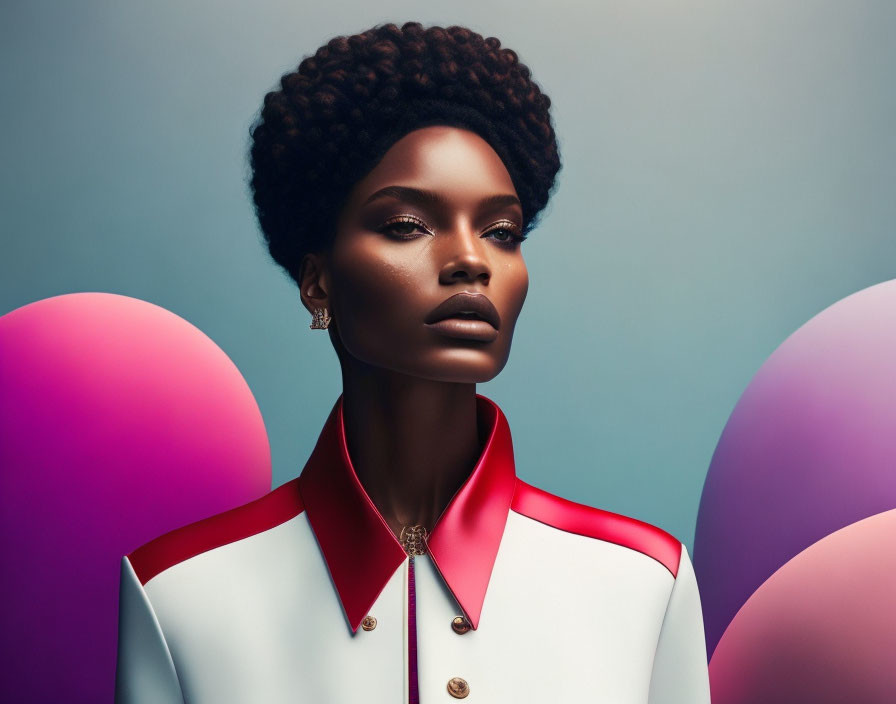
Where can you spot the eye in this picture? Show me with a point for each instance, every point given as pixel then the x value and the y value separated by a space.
pixel 404 227
pixel 506 233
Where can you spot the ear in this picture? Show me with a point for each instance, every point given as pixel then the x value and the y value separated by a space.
pixel 314 286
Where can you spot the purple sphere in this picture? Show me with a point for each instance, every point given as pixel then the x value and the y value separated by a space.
pixel 809 448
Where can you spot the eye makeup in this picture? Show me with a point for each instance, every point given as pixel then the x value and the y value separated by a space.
pixel 393 226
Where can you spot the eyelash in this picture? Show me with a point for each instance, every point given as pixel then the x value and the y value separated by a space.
pixel 512 229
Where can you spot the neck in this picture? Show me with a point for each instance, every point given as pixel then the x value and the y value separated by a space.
pixel 413 442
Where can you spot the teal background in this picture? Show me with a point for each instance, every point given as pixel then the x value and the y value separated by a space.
pixel 729 171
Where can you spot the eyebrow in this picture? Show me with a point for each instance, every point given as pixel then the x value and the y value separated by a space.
pixel 421 197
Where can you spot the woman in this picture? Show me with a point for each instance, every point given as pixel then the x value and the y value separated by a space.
pixel 395 175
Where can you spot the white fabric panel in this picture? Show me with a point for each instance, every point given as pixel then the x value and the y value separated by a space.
pixel 144 673
pixel 259 620
pixel 680 674
pixel 566 618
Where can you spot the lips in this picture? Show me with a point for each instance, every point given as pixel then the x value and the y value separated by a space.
pixel 466 306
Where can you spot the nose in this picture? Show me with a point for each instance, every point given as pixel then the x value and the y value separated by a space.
pixel 465 257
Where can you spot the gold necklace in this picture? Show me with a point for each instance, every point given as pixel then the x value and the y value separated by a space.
pixel 413 539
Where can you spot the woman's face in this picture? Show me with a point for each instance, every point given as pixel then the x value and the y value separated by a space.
pixel 437 217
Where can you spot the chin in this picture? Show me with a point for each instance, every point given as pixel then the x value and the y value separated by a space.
pixel 462 363
pixel 460 366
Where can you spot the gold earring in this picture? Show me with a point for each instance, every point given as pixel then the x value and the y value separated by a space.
pixel 320 320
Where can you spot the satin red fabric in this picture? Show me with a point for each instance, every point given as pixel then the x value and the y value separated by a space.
pixel 360 549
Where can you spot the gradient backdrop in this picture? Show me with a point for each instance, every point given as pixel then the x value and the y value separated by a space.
pixel 729 172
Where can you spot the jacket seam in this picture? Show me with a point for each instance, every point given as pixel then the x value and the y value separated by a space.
pixel 659 636
pixel 158 624
pixel 167 647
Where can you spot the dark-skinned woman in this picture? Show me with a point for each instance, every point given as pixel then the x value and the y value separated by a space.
pixel 396 174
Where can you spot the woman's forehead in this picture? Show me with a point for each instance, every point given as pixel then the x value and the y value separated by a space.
pixel 451 160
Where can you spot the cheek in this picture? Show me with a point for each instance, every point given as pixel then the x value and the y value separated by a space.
pixel 371 294
pixel 517 289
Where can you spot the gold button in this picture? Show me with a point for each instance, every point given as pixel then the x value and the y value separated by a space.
pixel 458 687
pixel 460 625
pixel 369 623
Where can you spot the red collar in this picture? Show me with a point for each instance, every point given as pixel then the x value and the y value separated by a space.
pixel 361 551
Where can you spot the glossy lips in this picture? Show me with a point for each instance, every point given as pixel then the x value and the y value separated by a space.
pixel 468 316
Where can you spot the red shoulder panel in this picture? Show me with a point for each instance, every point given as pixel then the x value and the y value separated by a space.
pixel 597 523
pixel 279 506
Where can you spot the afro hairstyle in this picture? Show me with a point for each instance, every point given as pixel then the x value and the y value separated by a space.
pixel 332 120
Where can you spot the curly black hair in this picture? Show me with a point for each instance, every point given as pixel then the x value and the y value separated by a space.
pixel 335 117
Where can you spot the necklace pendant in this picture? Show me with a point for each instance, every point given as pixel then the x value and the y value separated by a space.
pixel 413 539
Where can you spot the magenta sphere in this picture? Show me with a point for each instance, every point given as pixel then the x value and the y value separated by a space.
pixel 119 421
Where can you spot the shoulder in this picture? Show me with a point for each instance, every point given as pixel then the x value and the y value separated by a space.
pixel 591 522
pixel 169 549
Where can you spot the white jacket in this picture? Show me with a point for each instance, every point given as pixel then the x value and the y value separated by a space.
pixel 305 595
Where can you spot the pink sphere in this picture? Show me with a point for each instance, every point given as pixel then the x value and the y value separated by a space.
pixel 809 448
pixel 821 629
pixel 119 421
